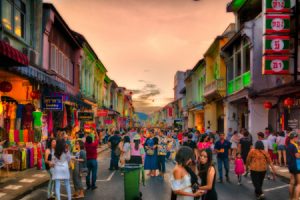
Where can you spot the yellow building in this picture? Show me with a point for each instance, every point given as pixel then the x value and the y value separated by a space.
pixel 215 82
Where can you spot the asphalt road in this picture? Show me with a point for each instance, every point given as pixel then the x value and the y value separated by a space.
pixel 110 187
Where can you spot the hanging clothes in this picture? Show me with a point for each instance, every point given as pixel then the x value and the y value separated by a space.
pixel 65 117
pixel 27 116
pixel 50 122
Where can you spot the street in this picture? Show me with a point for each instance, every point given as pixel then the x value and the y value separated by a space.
pixel 110 186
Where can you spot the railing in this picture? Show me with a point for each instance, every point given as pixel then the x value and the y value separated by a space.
pixel 214 86
pixel 239 82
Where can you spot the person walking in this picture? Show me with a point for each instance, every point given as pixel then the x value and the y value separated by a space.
pixel 181 179
pixel 113 142
pixel 151 154
pixel 80 169
pixel 234 140
pixel 244 148
pixel 281 148
pixel 207 174
pixel 49 155
pixel 92 164
pixel 239 167
pixel 125 151
pixel 136 151
pixel 61 168
pixel 222 148
pixel 258 161
pixel 162 152
pixel 293 153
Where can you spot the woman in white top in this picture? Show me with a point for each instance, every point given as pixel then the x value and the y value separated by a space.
pixel 235 140
pixel 280 140
pixel 61 171
pixel 181 180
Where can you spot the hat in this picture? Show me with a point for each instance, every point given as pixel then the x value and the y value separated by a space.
pixel 137 137
pixel 293 134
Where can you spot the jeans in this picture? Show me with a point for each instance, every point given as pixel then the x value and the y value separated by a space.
pixel 161 163
pixel 50 185
pixel 68 188
pixel 224 161
pixel 92 165
pixel 258 180
pixel 77 178
pixel 114 161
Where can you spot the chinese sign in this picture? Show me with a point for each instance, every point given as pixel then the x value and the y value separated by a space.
pixel 86 116
pixel 273 6
pixel 277 44
pixel 102 113
pixel 276 64
pixel 53 103
pixel 276 39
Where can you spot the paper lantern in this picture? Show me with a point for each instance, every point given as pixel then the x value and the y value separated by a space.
pixel 268 105
pixel 5 86
pixel 288 102
pixel 35 94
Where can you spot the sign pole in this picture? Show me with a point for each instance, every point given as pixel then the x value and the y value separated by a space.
pixel 296 41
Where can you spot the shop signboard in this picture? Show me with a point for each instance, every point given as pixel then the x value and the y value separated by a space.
pixel 102 113
pixel 52 103
pixel 108 121
pixel 275 6
pixel 86 116
pixel 276 65
pixel 277 23
pixel 274 44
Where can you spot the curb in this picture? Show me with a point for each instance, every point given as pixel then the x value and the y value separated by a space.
pixel 44 182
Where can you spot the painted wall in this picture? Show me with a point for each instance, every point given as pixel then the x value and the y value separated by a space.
pixel 210 111
pixel 178 84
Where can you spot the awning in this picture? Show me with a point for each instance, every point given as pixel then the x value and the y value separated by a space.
pixel 10 56
pixel 38 75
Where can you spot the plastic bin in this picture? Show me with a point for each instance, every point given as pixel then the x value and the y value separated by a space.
pixel 132 176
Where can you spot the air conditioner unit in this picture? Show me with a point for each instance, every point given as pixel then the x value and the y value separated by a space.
pixel 32 55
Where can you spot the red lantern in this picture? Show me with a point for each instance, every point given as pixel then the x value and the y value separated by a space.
pixel 5 86
pixel 288 102
pixel 268 105
pixel 35 94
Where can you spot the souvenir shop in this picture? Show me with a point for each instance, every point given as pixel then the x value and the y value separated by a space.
pixel 20 121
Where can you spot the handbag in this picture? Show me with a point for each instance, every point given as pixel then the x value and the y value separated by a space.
pixel 83 171
pixel 150 152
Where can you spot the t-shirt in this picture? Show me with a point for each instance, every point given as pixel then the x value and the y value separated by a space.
pixel 291 158
pixel 246 144
pixel 281 140
pixel 224 147
pixel 271 140
pixel 114 140
pixel 162 148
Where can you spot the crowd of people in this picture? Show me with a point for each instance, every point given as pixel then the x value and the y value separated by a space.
pixel 201 159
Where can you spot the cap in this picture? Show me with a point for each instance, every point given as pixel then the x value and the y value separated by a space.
pixel 293 134
pixel 137 137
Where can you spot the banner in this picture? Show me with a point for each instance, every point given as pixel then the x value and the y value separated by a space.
pixel 102 113
pixel 86 116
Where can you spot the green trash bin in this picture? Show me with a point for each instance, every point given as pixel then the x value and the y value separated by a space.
pixel 132 177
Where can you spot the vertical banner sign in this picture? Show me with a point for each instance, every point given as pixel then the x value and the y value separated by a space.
pixel 276 39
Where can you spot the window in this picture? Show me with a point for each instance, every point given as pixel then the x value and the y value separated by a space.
pixel 230 69
pixel 53 57
pixel 238 66
pixel 13 16
pixel 7 15
pixel 71 71
pixel 66 67
pixel 246 58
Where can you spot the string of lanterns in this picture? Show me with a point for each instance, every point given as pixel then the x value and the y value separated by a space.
pixel 288 103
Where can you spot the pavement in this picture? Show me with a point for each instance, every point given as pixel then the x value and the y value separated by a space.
pixel 111 186
pixel 16 184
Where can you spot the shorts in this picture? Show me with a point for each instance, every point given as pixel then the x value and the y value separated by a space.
pixel 281 148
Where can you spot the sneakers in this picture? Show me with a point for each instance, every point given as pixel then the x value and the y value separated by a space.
pixel 239 183
pixel 220 181
pixel 260 197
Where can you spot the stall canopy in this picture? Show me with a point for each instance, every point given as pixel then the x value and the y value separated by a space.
pixel 10 56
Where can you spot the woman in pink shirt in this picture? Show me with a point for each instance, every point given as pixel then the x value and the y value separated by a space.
pixel 137 151
pixel 204 143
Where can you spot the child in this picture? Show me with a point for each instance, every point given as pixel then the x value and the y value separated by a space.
pixel 239 167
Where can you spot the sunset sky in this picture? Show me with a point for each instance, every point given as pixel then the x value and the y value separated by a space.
pixel 142 43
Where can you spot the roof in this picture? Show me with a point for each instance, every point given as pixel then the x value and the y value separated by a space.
pixel 67 29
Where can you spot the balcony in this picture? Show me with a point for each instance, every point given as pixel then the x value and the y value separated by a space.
pixel 215 89
pixel 239 82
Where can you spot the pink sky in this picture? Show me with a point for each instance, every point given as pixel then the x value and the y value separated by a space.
pixel 143 43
